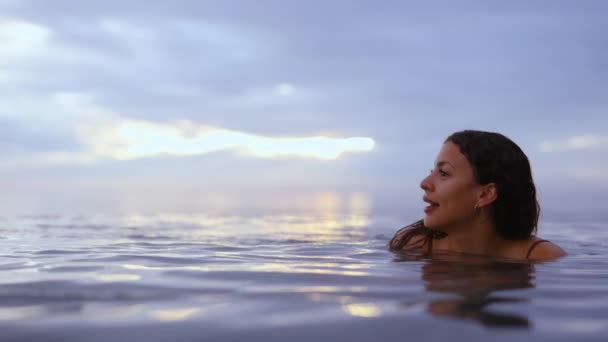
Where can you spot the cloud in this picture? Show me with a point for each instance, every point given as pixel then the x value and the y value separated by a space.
pixel 21 39
pixel 97 133
pixel 90 81
pixel 221 65
pixel 575 143
pixel 285 89
pixel 136 139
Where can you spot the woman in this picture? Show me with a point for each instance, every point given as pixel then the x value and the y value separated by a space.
pixel 481 200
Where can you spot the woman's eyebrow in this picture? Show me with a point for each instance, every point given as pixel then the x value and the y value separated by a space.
pixel 441 163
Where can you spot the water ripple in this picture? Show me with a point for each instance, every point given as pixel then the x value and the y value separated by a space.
pixel 238 275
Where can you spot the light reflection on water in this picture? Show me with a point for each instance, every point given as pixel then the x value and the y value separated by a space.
pixel 177 314
pixel 362 310
pixel 117 277
pixel 230 275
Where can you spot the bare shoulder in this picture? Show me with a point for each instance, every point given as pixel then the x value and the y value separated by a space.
pixel 545 250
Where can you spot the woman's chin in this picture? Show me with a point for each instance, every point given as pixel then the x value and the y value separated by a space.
pixel 430 222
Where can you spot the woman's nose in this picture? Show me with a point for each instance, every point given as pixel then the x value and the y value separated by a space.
pixel 426 184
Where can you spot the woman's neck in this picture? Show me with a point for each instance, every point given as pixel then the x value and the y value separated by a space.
pixel 474 237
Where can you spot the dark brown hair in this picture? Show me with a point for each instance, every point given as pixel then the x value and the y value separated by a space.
pixel 496 159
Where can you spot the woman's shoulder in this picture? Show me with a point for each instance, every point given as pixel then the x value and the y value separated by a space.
pixel 539 249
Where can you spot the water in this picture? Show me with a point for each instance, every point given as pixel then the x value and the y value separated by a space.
pixel 285 277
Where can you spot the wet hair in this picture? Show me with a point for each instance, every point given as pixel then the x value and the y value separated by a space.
pixel 496 159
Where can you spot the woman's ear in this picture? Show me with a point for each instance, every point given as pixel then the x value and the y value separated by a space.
pixel 487 195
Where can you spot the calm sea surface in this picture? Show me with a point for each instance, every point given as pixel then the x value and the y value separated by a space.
pixel 284 277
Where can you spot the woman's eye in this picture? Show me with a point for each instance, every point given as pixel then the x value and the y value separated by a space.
pixel 440 172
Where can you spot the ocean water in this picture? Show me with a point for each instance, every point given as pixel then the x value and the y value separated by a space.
pixel 285 277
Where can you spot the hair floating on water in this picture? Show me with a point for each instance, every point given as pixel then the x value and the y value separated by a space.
pixel 405 235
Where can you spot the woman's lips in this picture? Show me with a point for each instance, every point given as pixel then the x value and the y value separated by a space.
pixel 432 205
pixel 429 208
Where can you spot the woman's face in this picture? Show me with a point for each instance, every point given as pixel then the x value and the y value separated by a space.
pixel 450 190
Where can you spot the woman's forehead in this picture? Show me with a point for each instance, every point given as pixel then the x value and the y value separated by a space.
pixel 450 154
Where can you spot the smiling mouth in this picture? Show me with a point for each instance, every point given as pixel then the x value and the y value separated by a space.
pixel 431 205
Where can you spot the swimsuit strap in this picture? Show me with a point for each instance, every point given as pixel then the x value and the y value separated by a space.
pixel 536 243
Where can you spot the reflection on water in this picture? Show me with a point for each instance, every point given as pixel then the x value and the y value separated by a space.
pixel 117 277
pixel 174 314
pixel 362 310
pixel 315 275
pixel 331 216
pixel 476 283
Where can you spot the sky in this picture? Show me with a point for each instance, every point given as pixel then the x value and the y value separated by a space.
pixel 194 105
